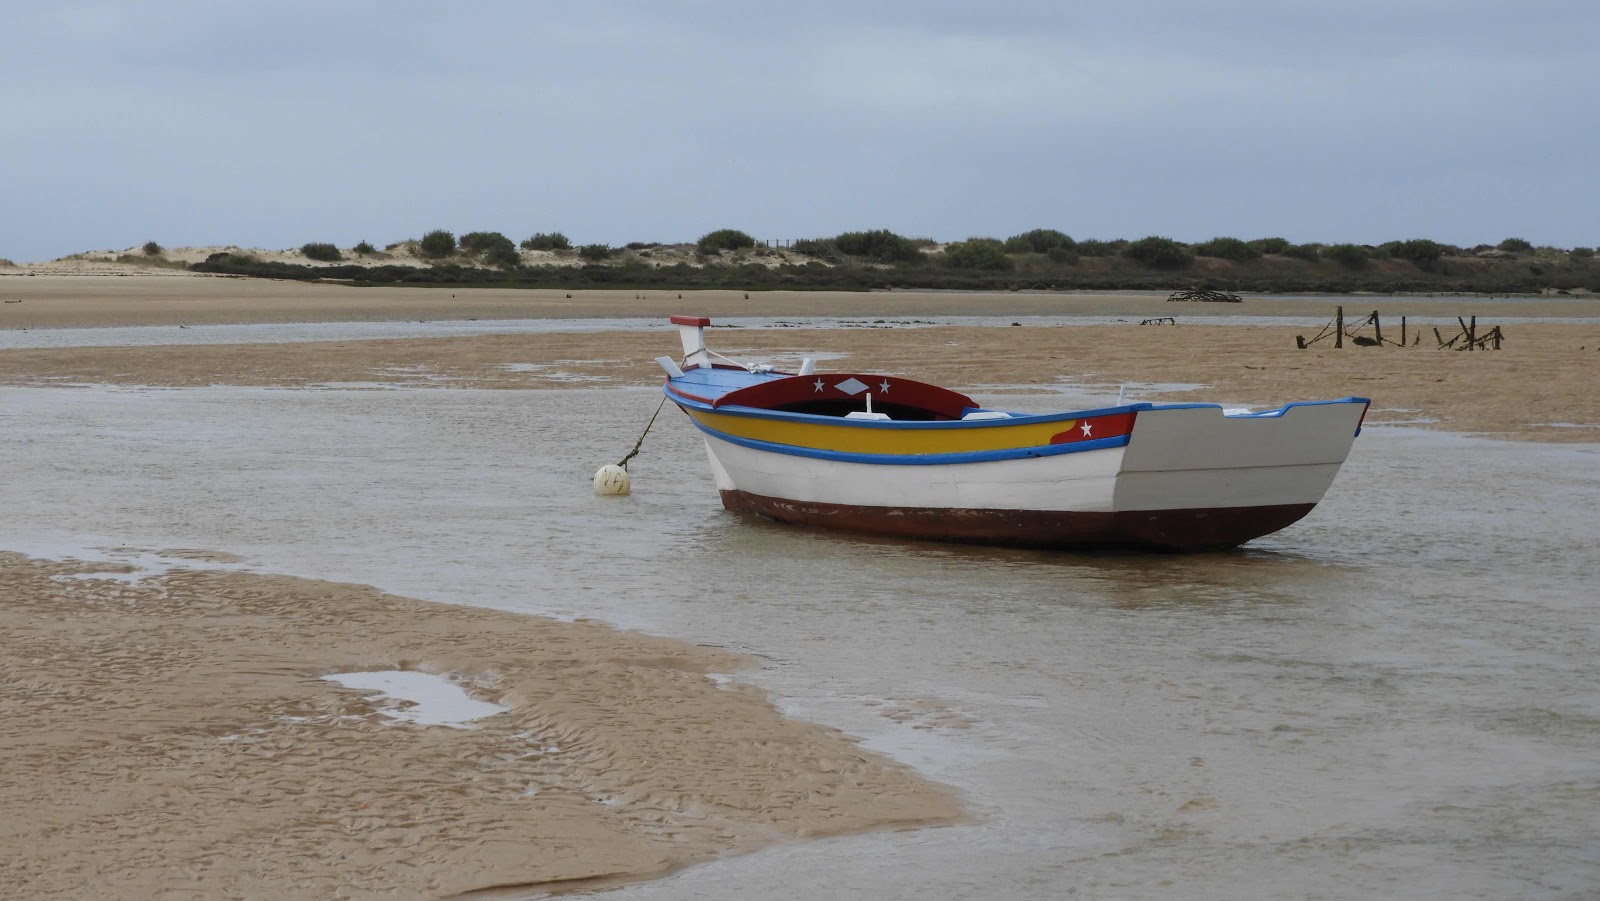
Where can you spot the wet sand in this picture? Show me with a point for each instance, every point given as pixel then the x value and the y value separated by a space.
pixel 1540 386
pixel 172 736
pixel 176 736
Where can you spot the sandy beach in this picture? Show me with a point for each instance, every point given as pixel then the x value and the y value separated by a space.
pixel 173 736
pixel 1538 386
pixel 172 733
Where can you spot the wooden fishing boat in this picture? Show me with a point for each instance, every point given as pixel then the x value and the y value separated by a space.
pixel 889 455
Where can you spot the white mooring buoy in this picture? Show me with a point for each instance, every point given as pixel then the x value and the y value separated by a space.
pixel 611 479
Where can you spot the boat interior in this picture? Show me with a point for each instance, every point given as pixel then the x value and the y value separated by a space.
pixel 854 396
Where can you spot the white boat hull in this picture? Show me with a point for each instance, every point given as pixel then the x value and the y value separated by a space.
pixel 1189 478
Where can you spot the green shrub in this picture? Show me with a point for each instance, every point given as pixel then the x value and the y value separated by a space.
pixel 1228 249
pixel 1040 240
pixel 978 253
pixel 551 241
pixel 1093 248
pixel 321 250
pixel 152 249
pixel 595 252
pixel 724 239
pixel 1581 253
pixel 437 244
pixel 1418 250
pixel 364 249
pixel 643 245
pixel 492 248
pixel 880 245
pixel 479 244
pixel 1311 252
pixel 1064 255
pixel 816 246
pixel 503 256
pixel 1270 245
pixel 1159 253
pixel 1515 245
pixel 1350 256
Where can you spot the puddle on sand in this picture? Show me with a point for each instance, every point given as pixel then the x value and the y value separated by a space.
pixel 421 698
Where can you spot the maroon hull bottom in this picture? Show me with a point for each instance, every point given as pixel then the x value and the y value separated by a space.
pixel 1215 528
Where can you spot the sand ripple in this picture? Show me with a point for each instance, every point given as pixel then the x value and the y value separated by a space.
pixel 176 739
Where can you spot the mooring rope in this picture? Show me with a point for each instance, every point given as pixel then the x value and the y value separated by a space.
pixel 640 443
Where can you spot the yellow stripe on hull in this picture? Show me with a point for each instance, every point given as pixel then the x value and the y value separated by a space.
pixel 869 440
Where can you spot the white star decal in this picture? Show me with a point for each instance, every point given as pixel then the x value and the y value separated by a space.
pixel 1086 428
pixel 818 384
pixel 883 387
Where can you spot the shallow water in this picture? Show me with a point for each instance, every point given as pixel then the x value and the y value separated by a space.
pixel 1399 696
pixel 275 333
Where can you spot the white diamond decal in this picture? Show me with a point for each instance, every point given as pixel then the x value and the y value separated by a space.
pixel 851 386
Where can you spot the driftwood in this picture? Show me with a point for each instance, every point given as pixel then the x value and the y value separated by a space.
pixel 1159 320
pixel 1468 337
pixel 1338 330
pixel 1207 295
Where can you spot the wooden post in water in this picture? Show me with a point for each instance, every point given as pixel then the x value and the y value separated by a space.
pixel 1338 328
pixel 1377 328
pixel 1472 332
pixel 1402 331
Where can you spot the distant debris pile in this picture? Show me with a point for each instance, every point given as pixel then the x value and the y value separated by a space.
pixel 1207 295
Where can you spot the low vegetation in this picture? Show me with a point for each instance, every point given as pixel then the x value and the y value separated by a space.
pixel 1350 256
pixel 321 251
pixel 551 241
pixel 1159 253
pixel 1040 259
pixel 984 254
pixel 880 246
pixel 1041 240
pixel 1229 249
pixel 724 239
pixel 437 244
pixel 491 249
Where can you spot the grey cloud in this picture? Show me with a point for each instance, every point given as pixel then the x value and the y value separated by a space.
pixel 280 123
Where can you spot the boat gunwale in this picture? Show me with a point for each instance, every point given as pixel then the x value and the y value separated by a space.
pixel 682 398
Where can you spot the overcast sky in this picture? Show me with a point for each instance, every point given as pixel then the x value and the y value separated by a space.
pixel 276 123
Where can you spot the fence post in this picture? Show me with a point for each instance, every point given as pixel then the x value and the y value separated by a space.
pixel 1338 328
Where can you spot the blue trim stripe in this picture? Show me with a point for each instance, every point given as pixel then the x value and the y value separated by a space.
pixel 1016 418
pixel 1014 453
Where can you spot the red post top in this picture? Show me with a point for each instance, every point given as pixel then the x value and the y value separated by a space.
pixel 700 321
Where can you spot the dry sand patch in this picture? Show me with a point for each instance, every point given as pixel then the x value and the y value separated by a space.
pixel 69 301
pixel 1543 385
